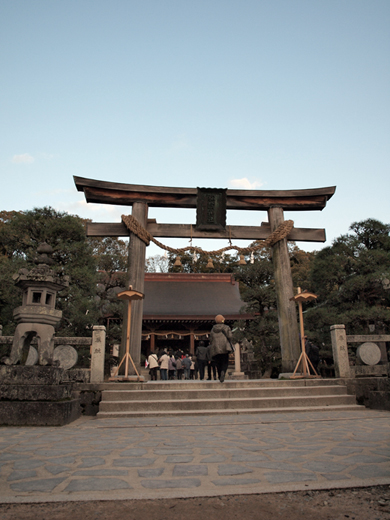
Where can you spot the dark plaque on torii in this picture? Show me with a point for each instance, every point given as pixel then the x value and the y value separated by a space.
pixel 211 209
pixel 275 202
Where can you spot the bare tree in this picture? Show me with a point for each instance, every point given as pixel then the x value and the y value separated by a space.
pixel 157 264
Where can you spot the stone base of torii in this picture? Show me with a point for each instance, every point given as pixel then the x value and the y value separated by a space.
pixel 208 203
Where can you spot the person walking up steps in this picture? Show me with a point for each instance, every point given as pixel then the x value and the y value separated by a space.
pixel 220 346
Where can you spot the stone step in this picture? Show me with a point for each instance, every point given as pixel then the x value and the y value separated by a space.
pixel 192 385
pixel 207 397
pixel 219 392
pixel 230 411
pixel 231 403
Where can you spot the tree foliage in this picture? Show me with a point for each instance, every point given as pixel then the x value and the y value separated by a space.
pixel 300 262
pixel 20 235
pixel 352 281
pixel 111 258
pixel 258 292
pixel 110 254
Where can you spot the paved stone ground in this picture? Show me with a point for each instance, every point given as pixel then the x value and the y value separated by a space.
pixel 124 459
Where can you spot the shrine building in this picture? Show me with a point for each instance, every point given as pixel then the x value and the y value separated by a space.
pixel 179 308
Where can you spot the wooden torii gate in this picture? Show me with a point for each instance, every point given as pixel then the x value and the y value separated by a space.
pixel 274 202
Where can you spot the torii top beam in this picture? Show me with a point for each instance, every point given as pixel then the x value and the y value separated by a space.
pixel 103 192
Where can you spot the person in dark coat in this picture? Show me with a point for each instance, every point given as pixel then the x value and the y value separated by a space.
pixel 211 366
pixel 220 345
pixel 179 367
pixel 201 358
pixel 186 362
pixel 171 366
pixel 211 370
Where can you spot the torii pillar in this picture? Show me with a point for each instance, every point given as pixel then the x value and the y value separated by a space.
pixel 135 278
pixel 287 314
pixel 272 201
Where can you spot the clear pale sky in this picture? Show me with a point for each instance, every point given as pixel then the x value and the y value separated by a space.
pixel 273 95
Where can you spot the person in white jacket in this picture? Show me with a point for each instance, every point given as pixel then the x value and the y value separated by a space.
pixel 164 365
pixel 153 366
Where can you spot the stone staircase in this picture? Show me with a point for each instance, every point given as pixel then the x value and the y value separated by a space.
pixel 232 397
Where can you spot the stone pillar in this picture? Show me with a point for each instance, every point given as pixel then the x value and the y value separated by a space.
pixel 340 351
pixel 98 349
pixel 287 313
pixel 237 374
pixel 237 359
pixel 135 278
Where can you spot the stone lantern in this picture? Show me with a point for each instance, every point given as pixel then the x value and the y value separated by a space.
pixel 37 316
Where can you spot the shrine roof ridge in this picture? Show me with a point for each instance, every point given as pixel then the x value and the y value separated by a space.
pixel 190 277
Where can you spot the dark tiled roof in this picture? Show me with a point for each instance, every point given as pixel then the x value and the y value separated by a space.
pixel 196 296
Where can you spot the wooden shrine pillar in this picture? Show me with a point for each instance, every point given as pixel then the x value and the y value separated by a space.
pixel 287 314
pixel 152 342
pixel 135 278
pixel 192 342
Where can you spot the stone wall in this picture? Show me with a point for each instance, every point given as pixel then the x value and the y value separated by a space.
pixel 370 383
pixel 372 392
pixel 36 396
pixel 82 345
pixel 90 396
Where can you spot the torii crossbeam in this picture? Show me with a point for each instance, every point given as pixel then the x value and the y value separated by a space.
pixel 274 202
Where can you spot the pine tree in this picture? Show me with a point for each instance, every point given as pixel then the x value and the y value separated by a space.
pixel 20 235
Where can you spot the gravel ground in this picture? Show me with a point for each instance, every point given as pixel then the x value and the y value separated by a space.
pixel 370 503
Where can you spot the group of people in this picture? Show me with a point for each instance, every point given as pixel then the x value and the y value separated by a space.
pixel 214 358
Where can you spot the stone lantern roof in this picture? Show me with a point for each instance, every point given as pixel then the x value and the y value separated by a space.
pixel 40 286
pixel 42 274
